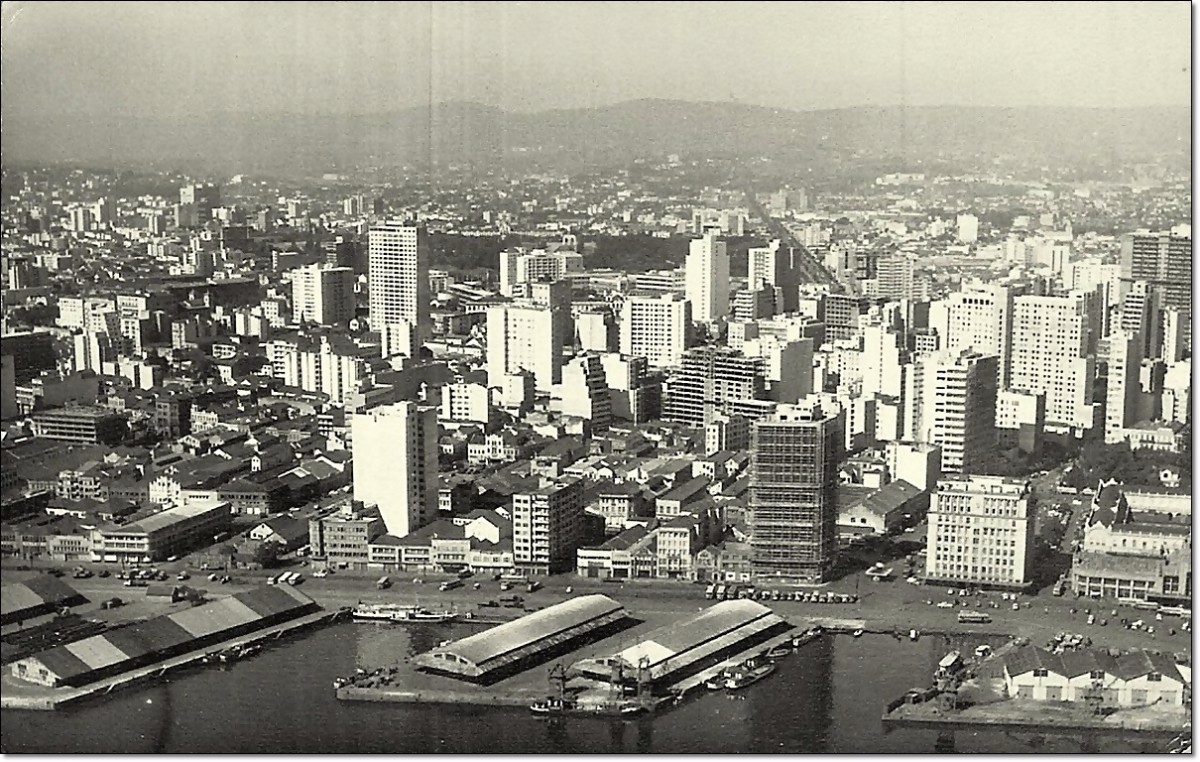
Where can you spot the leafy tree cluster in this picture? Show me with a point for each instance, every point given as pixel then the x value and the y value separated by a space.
pixel 1141 468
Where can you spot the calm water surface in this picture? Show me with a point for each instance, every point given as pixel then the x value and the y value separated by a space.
pixel 827 698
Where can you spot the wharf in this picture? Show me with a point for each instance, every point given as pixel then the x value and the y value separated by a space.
pixel 18 694
pixel 697 680
pixel 1035 715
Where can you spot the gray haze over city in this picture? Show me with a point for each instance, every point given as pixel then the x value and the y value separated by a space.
pixel 684 377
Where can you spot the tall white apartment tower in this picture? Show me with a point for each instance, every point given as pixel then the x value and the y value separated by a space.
pixel 657 328
pixel 398 275
pixel 1123 390
pixel 323 295
pixel 1050 354
pixel 707 282
pixel 524 337
pixel 395 452
pixel 978 319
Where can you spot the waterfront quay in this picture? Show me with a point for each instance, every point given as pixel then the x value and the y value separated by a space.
pixel 20 694
pixel 1036 715
pixel 669 656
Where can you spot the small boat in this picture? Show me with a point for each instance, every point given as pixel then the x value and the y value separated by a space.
pixel 747 676
pixel 629 710
pixel 914 635
pixel 550 706
pixel 858 633
pixel 807 636
pixel 717 681
pixel 778 652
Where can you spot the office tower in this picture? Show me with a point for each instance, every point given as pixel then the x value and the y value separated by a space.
pixel 547 526
pixel 1123 390
pixel 950 402
pixel 711 381
pixel 1020 420
pixel 839 313
pixel 775 266
pixel 979 319
pixel 981 532
pixel 1049 354
pixel 882 355
pixel 172 414
pixel 1163 260
pixel 787 366
pixel 323 295
pixel 968 228
pixel 584 393
pixel 894 277
pixel 8 388
pixel 1141 313
pixel 794 457
pixel 708 278
pixel 754 305
pixel 395 452
pixel 524 337
pixel 398 276
pixel 329 364
pixel 555 296
pixel 658 329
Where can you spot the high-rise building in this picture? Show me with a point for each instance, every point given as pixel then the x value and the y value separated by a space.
pixel 981 532
pixel 794 457
pixel 548 524
pixel 657 328
pixel 708 278
pixel 1141 313
pixel 894 277
pixel 1123 389
pixel 323 295
pixel 1176 327
pixel 775 266
pixel 202 197
pixel 950 400
pixel 398 276
pixel 524 337
pixel 1163 260
pixel 395 451
pixel 584 393
pixel 1050 336
pixel 979 319
pixel 968 228
pixel 709 382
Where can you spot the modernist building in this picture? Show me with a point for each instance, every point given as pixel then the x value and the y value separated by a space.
pixel 395 463
pixel 525 337
pixel 708 278
pixel 1050 354
pixel 323 295
pixel 981 532
pixel 161 535
pixel 398 275
pixel 657 328
pixel 793 482
pixel 1163 260
pixel 547 526
pixel 709 382
pixel 82 425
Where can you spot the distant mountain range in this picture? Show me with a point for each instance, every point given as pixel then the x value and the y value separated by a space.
pixel 470 133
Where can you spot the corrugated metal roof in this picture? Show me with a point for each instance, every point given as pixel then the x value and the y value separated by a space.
pixel 62 662
pixel 713 622
pixel 505 638
pixel 129 641
pixel 211 618
pixel 97 652
pixel 269 601
pixel 161 633
pixel 34 592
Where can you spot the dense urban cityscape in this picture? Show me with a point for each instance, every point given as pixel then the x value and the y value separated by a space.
pixel 603 440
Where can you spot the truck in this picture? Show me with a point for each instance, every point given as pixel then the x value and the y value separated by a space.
pixel 450 584
pixel 719 593
pixel 710 592
pixel 532 585
pixel 383 583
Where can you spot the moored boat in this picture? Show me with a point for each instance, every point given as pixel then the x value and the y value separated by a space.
pixel 397 612
pixel 746 676
pixel 858 633
pixel 551 706
pixel 778 652
pixel 807 636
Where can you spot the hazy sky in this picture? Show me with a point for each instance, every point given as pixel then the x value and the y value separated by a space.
pixel 192 57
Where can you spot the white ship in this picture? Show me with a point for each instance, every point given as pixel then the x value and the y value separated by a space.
pixel 400 612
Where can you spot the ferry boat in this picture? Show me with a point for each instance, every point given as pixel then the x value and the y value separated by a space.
pixel 551 706
pixel 395 612
pixel 747 676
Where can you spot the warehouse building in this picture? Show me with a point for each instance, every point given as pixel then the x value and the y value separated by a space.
pixel 154 640
pixel 533 639
pixel 681 649
pixel 22 601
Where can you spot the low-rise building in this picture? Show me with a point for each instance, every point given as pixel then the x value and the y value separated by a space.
pixel 160 535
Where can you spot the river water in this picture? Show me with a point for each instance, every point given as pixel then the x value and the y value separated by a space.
pixel 827 698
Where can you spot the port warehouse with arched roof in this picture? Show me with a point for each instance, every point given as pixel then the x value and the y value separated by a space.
pixel 35 597
pixel 136 645
pixel 681 649
pixel 515 646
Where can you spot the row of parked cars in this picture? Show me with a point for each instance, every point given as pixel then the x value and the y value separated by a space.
pixel 721 592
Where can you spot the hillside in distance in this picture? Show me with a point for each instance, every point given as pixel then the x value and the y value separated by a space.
pixel 565 139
